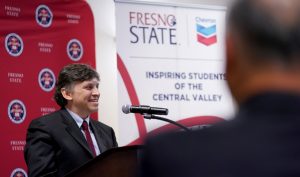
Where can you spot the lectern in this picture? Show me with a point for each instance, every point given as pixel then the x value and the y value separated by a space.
pixel 116 162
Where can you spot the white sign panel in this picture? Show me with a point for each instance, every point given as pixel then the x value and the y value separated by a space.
pixel 171 57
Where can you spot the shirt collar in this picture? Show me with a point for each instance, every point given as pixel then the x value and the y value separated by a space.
pixel 77 118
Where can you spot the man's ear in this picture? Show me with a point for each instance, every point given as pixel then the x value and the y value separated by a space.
pixel 66 94
pixel 232 69
pixel 230 58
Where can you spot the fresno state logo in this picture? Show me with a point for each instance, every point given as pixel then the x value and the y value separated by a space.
pixel 46 79
pixel 74 49
pixel 206 31
pixel 16 111
pixel 14 44
pixel 18 172
pixel 43 16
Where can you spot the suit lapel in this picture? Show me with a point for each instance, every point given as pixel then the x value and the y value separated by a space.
pixel 98 135
pixel 73 129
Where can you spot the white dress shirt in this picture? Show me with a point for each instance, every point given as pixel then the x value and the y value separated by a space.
pixel 79 122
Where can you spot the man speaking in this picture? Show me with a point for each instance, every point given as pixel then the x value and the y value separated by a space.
pixel 66 139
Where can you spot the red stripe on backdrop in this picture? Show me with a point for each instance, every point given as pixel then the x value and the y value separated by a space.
pixel 132 95
pixel 188 122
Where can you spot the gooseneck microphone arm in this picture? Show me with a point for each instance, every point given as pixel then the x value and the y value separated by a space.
pixel 151 116
pixel 149 112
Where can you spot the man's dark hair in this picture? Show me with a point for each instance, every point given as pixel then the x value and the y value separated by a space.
pixel 267 32
pixel 70 74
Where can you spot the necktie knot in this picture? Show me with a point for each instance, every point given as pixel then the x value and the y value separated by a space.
pixel 85 126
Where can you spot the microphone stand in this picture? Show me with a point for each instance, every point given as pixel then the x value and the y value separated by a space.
pixel 151 116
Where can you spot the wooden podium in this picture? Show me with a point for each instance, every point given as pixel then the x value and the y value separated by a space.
pixel 116 162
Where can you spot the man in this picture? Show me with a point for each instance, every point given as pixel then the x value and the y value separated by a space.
pixel 263 73
pixel 66 139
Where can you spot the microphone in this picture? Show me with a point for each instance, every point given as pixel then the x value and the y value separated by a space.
pixel 143 109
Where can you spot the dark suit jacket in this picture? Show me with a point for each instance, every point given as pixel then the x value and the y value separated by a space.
pixel 55 144
pixel 262 141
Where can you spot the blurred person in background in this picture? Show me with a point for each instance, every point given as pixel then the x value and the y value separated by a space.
pixel 263 73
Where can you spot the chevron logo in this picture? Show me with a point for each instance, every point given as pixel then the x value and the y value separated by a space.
pixel 206 35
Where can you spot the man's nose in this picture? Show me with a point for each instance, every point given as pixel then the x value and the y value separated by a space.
pixel 96 91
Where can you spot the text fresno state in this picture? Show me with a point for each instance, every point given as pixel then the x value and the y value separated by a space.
pixel 152 28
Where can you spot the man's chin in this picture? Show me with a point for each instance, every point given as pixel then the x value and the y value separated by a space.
pixel 94 109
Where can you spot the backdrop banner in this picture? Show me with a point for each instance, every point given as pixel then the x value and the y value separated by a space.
pixel 173 57
pixel 37 38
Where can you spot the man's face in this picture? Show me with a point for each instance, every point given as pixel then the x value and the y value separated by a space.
pixel 85 96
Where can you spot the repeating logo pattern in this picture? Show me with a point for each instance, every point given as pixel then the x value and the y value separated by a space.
pixel 28 47
pixel 206 31
pixel 18 172
pixel 14 44
pixel 75 49
pixel 46 79
pixel 43 16
pixel 16 111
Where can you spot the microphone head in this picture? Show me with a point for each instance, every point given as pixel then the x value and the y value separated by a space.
pixel 126 108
